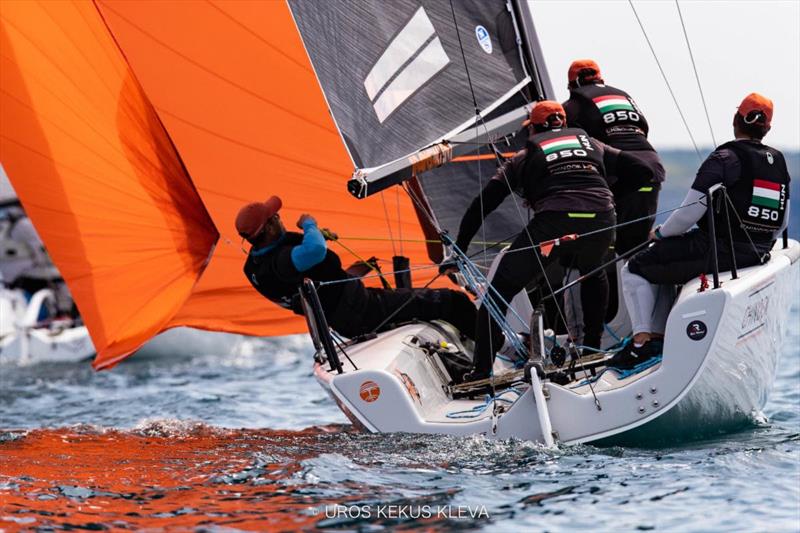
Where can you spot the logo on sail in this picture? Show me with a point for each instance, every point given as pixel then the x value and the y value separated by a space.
pixel 369 391
pixel 413 57
pixel 483 39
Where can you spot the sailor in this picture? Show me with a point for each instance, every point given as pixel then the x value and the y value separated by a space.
pixel 611 115
pixel 561 175
pixel 757 183
pixel 279 261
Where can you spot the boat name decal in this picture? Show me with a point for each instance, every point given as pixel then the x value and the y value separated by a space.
pixel 755 315
pixel 409 385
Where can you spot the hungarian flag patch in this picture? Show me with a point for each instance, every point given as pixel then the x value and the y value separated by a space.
pixel 766 194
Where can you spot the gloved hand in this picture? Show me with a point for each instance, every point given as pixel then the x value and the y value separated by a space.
pixel 655 234
pixel 305 217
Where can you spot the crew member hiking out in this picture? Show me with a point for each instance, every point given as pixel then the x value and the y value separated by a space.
pixel 611 115
pixel 561 174
pixel 279 261
pixel 757 184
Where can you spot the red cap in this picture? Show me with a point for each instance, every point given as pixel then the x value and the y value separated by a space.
pixel 252 218
pixel 754 102
pixel 582 64
pixel 541 111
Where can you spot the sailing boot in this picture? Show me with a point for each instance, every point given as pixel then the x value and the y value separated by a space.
pixel 631 355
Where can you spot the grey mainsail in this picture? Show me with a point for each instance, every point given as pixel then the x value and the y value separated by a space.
pixel 401 76
pixel 394 72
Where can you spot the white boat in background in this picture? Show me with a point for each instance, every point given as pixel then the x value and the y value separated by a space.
pixel 25 340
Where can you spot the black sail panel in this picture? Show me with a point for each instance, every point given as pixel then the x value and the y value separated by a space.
pixel 394 74
pixel 449 190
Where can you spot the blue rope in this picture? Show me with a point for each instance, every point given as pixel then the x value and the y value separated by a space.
pixel 517 362
pixel 480 285
pixel 479 409
pixel 621 374
pixel 618 347
pixel 612 332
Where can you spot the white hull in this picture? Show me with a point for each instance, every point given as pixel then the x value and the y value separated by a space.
pixel 22 342
pixel 715 378
pixel 190 342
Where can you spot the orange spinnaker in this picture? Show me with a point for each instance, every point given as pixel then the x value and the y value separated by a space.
pixel 232 85
pixel 97 173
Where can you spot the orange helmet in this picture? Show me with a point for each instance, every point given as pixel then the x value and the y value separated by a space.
pixel 543 110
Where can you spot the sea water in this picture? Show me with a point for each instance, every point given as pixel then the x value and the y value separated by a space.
pixel 252 443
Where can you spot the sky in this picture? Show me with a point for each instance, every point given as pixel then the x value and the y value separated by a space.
pixel 739 47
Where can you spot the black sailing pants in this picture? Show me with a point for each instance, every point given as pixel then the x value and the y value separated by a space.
pixel 633 204
pixel 676 260
pixel 518 269
pixel 636 200
pixel 403 305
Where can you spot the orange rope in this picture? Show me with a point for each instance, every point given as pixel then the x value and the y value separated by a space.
pixel 465 158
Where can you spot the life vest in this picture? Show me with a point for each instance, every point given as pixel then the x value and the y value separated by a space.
pixel 611 115
pixel 262 272
pixel 760 195
pixel 570 161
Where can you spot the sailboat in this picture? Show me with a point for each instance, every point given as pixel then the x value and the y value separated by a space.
pixel 134 131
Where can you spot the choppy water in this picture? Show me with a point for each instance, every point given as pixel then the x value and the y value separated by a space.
pixel 151 444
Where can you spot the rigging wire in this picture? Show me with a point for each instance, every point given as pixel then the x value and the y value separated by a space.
pixel 399 221
pixel 666 80
pixel 478 120
pixel 388 224
pixel 491 245
pixel 696 75
pixel 570 337
pixel 742 227
pixel 464 57
pixel 607 228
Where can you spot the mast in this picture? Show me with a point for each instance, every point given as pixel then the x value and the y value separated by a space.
pixel 532 50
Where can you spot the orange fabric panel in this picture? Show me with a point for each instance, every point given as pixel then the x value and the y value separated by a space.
pixel 232 83
pixel 97 173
